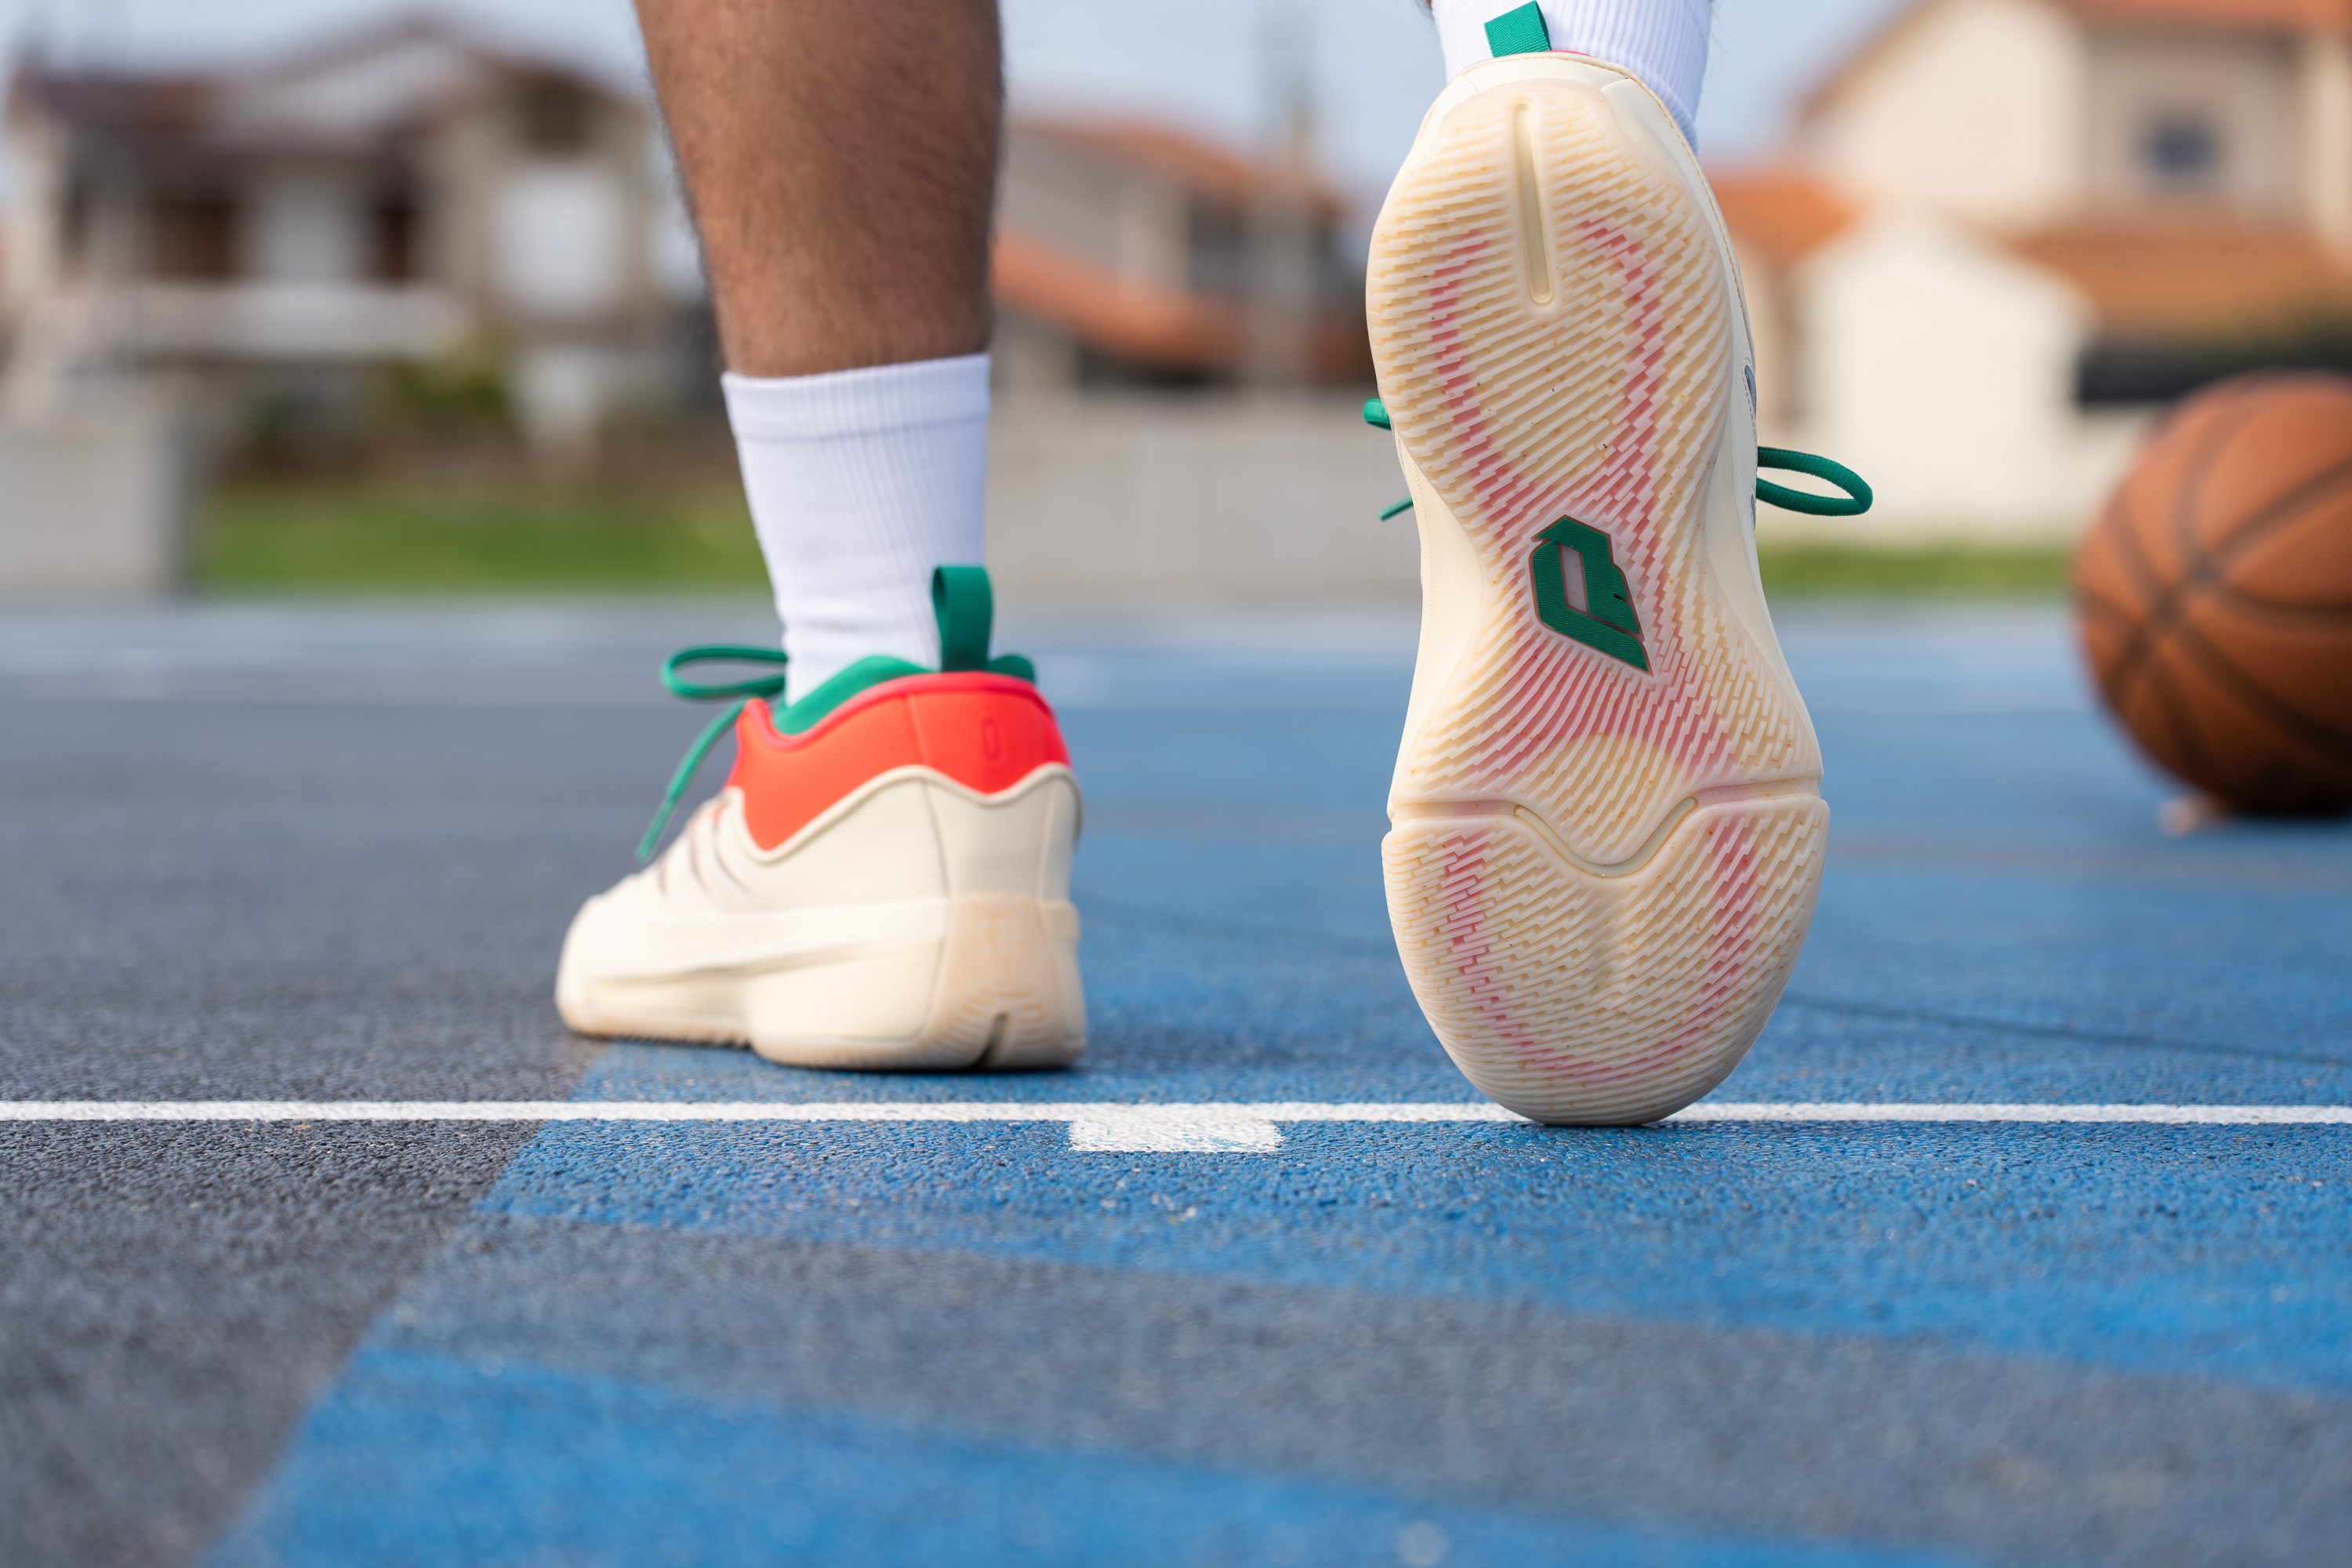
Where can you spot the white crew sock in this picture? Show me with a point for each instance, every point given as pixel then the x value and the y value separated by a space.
pixel 860 482
pixel 1663 42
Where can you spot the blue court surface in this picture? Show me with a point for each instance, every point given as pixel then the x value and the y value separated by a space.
pixel 1284 1330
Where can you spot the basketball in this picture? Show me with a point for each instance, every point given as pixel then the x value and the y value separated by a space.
pixel 2214 595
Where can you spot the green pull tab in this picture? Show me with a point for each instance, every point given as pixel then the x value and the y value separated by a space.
pixel 1519 32
pixel 964 604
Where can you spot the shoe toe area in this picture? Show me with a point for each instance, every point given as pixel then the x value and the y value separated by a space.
pixel 605 930
pixel 916 926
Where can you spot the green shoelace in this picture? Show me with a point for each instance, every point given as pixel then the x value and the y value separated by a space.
pixel 1788 460
pixel 674 678
pixel 961 599
pixel 961 602
pixel 1856 500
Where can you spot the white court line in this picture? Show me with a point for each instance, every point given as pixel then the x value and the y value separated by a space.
pixel 1110 1126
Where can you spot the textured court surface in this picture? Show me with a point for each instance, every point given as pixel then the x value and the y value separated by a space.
pixel 293 855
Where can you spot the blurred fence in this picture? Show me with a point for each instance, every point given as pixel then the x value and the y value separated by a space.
pixel 94 496
pixel 1134 497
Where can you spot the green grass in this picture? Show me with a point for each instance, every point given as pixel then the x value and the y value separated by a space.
pixel 412 537
pixel 1939 571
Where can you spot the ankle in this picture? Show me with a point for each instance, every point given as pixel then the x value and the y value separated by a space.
pixel 860 483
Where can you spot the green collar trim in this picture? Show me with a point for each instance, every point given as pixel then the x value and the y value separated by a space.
pixel 965 608
pixel 816 707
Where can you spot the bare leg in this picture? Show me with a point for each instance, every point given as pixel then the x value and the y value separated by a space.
pixel 841 158
pixel 847 902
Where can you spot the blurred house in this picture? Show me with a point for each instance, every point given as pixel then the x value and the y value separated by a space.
pixel 1132 258
pixel 277 232
pixel 2005 230
pixel 1135 253
pixel 398 195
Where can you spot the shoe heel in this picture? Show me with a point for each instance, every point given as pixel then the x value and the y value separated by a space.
pixel 1008 996
pixel 998 989
pixel 1008 981
pixel 1604 996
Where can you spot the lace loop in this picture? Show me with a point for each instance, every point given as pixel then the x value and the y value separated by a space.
pixel 960 599
pixel 1856 500
pixel 675 679
pixel 1853 504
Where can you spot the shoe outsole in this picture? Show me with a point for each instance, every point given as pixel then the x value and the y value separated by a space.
pixel 1599 875
pixel 1005 1000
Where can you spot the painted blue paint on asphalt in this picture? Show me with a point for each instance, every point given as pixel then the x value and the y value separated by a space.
pixel 2007 924
pixel 514 1464
pixel 2001 920
pixel 2217 1252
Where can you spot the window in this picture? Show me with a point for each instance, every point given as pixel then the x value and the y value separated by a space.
pixel 192 238
pixel 76 224
pixel 2181 151
pixel 392 238
pixel 555 118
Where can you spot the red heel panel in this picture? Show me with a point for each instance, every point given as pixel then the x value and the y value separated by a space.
pixel 987 732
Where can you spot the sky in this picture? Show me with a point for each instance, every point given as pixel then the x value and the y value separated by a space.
pixel 1205 63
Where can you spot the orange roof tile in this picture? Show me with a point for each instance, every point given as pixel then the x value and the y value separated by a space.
pixel 2193 278
pixel 1780 215
pixel 1164 327
pixel 1204 166
pixel 2261 16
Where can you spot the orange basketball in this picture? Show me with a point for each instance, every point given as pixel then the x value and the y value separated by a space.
pixel 2215 594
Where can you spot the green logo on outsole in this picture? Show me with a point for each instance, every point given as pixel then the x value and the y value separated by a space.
pixel 1580 593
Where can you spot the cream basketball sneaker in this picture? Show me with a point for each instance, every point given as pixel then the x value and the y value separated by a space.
pixel 1607 827
pixel 884 881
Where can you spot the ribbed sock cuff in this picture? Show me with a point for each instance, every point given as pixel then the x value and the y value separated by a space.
pixel 857 402
pixel 1662 42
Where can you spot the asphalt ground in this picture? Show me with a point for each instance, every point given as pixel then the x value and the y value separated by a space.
pixel 310 854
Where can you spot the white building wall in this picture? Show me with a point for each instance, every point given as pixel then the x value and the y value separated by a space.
pixel 1975 108
pixel 1942 369
pixel 674 254
pixel 2325 93
pixel 562 232
pixel 1778 342
pixel 35 205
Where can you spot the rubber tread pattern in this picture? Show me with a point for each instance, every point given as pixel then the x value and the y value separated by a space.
pixel 1599 391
